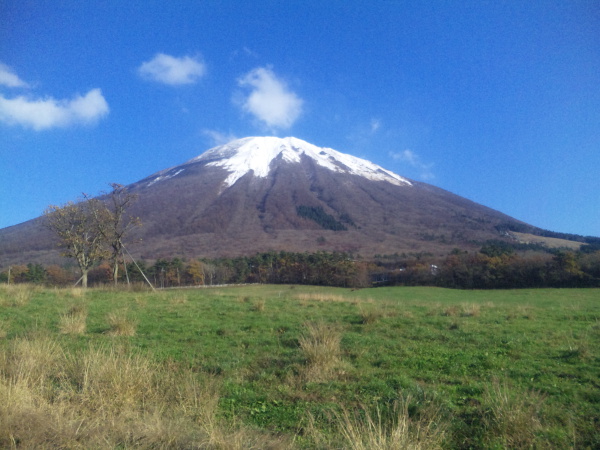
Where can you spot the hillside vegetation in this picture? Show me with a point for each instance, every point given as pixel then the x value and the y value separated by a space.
pixel 299 367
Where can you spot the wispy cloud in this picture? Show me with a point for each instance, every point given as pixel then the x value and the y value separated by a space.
pixel 270 100
pixel 9 78
pixel 219 138
pixel 41 114
pixel 412 159
pixel 375 125
pixel 173 70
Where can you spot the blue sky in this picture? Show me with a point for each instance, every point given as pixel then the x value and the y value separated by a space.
pixel 497 101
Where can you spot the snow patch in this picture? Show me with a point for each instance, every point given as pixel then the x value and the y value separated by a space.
pixel 164 177
pixel 256 154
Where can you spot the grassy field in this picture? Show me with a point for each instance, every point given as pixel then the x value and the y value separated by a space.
pixel 299 367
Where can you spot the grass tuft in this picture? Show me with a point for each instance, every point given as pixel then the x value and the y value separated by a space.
pixel 74 320
pixel 320 346
pixel 370 314
pixel 512 418
pixel 3 328
pixel 450 311
pixel 16 294
pixel 121 324
pixel 258 305
pixel 179 299
pixel 363 430
pixel 470 310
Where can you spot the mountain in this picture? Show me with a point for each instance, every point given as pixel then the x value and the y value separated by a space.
pixel 266 193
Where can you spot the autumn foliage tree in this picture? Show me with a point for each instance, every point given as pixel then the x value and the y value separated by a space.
pixel 93 230
pixel 80 236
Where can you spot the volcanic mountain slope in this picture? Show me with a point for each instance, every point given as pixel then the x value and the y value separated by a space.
pixel 265 193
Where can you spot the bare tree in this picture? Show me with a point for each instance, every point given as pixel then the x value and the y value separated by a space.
pixel 77 227
pixel 115 224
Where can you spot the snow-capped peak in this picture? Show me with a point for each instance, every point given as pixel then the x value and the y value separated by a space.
pixel 256 154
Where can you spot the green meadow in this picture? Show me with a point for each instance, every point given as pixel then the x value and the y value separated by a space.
pixel 277 366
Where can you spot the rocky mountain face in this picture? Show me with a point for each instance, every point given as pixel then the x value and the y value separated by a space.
pixel 265 193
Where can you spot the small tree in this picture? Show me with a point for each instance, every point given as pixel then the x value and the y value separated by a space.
pixel 115 224
pixel 76 224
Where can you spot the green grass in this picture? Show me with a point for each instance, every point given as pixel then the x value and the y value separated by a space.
pixel 315 367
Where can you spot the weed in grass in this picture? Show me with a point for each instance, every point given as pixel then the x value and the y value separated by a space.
pixel 512 419
pixel 370 314
pixel 258 305
pixel 120 324
pixel 450 311
pixel 434 309
pixel 140 301
pixel 577 346
pixel 470 310
pixel 75 292
pixel 525 312
pixel 320 346
pixel 74 320
pixel 179 299
pixel 16 294
pixel 363 430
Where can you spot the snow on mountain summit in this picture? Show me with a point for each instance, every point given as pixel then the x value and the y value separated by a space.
pixel 257 153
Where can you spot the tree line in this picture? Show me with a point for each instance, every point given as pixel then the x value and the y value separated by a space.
pixel 498 267
pixel 492 267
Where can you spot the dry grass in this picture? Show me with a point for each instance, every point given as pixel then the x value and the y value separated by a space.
pixel 106 398
pixel 120 324
pixel 179 299
pixel 70 292
pixel 450 311
pixel 74 320
pixel 547 241
pixel 16 294
pixel 512 419
pixel 371 313
pixel 258 305
pixel 3 328
pixel 362 430
pixel 322 297
pixel 320 345
pixel 470 310
pixel 526 312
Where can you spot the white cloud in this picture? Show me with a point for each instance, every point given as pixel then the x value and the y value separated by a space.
pixel 270 100
pixel 9 78
pixel 48 113
pixel 172 70
pixel 219 138
pixel 413 160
